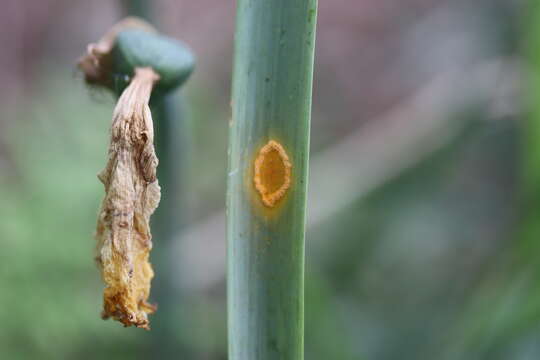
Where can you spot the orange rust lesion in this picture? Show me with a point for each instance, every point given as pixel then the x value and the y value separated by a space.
pixel 272 176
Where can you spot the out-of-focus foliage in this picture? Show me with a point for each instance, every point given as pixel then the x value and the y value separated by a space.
pixel 439 262
pixel 48 206
pixel 403 263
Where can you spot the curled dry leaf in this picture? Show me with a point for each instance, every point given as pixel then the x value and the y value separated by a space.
pixel 96 64
pixel 132 194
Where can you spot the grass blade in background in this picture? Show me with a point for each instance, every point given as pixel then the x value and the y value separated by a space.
pixel 268 157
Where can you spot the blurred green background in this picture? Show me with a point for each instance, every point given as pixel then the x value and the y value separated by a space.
pixel 424 199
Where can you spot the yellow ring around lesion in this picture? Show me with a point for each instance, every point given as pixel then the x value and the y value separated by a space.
pixel 272 175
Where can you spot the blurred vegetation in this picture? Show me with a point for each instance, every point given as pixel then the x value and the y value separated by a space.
pixel 439 262
pixel 48 212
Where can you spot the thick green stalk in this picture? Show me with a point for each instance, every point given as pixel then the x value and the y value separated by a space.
pixel 173 144
pixel 140 8
pixel 268 163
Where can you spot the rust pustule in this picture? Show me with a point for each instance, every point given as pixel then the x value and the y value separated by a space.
pixel 272 176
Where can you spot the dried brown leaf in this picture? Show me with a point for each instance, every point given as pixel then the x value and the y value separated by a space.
pixel 132 194
pixel 96 64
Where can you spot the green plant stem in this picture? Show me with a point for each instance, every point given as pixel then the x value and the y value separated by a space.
pixel 140 8
pixel 271 101
pixel 173 144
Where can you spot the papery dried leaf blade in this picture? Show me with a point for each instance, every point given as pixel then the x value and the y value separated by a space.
pixel 123 229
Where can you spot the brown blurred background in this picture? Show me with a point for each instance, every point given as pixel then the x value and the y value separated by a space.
pixel 421 235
